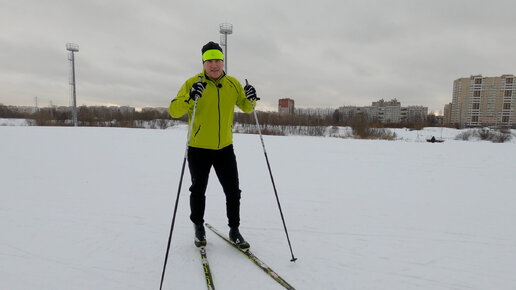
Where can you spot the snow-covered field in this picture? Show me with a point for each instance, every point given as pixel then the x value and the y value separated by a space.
pixel 90 208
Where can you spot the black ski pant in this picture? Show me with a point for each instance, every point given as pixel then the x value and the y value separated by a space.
pixel 223 160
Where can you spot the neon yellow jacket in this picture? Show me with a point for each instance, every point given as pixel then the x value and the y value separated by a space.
pixel 213 124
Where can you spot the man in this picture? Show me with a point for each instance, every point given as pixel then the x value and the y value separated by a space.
pixel 211 141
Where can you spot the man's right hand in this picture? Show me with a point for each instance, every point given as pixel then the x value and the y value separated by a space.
pixel 197 89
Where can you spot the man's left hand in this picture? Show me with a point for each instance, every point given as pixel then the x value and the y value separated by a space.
pixel 250 93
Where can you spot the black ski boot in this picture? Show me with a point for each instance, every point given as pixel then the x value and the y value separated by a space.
pixel 200 236
pixel 238 240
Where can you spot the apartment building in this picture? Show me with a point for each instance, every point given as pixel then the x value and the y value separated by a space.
pixel 447 114
pixel 483 101
pixel 286 106
pixel 348 111
pixel 387 112
pixel 414 114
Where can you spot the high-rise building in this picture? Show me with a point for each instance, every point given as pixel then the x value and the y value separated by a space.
pixel 483 101
pixel 286 106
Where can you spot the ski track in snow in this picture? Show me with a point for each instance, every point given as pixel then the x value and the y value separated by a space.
pixel 90 208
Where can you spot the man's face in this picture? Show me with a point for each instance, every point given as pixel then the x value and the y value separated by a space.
pixel 214 68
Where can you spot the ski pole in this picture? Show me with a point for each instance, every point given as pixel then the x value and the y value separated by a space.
pixel 272 179
pixel 179 188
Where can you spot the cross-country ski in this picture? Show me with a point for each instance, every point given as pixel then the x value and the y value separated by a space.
pixel 206 268
pixel 254 259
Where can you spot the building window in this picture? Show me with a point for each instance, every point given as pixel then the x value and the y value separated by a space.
pixel 476 94
pixel 505 119
pixel 476 106
pixel 508 81
pixel 474 119
pixel 507 106
pixel 508 93
pixel 478 81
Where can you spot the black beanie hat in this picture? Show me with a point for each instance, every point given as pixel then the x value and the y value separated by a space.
pixel 210 45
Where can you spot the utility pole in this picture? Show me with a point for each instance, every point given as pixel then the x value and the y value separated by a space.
pixel 225 29
pixel 71 57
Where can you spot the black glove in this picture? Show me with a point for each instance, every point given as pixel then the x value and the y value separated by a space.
pixel 197 89
pixel 250 92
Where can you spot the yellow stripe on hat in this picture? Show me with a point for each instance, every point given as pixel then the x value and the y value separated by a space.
pixel 212 54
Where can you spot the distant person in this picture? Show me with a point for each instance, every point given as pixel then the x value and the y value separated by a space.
pixel 433 139
pixel 211 143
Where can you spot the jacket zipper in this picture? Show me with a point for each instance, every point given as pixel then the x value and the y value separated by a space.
pixel 218 97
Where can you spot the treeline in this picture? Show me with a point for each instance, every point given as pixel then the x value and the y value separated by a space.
pixel 6 112
pixel 311 125
pixel 271 122
pixel 98 116
pixel 335 119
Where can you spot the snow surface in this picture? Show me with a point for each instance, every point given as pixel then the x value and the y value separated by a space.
pixel 90 208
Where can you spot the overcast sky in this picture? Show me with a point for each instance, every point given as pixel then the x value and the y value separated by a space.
pixel 320 53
